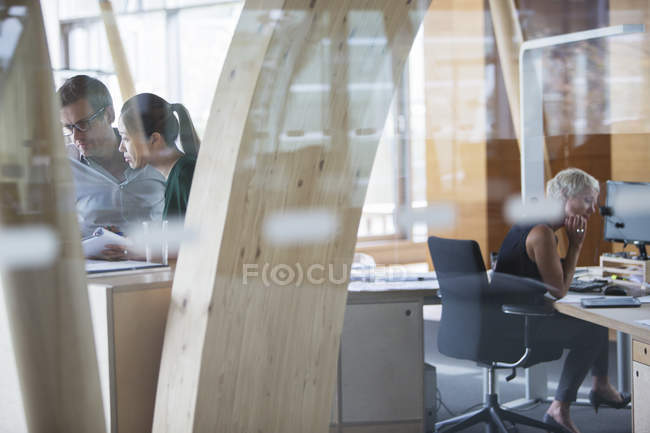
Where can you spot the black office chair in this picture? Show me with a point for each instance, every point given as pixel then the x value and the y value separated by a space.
pixel 487 322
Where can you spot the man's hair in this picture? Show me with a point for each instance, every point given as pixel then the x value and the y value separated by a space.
pixel 85 87
pixel 569 183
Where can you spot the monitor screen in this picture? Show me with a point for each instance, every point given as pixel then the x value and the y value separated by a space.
pixel 627 216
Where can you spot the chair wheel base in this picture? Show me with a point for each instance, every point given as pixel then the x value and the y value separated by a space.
pixel 495 416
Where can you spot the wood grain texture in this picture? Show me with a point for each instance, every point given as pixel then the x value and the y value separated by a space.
pixel 120 62
pixel 297 115
pixel 47 306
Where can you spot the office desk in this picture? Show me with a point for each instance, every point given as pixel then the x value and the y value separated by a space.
pixel 625 320
pixel 620 319
pixel 129 312
pixel 381 361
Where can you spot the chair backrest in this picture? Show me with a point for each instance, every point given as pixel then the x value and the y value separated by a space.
pixel 472 324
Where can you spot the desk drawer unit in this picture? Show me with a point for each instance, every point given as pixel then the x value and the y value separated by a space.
pixel 641 386
pixel 382 363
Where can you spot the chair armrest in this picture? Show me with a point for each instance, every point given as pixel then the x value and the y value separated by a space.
pixel 544 310
pixel 529 311
pixel 507 283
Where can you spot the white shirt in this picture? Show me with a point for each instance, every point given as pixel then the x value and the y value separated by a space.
pixel 102 200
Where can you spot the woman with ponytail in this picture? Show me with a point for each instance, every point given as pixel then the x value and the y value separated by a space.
pixel 149 130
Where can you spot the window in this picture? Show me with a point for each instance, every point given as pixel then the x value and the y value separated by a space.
pixel 160 40
pixel 398 180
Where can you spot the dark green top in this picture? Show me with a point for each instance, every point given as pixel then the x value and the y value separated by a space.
pixel 177 191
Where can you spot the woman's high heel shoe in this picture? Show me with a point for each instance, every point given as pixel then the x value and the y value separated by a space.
pixel 596 400
pixel 548 419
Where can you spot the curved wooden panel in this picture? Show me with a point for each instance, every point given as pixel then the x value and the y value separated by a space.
pixel 47 305
pixel 253 331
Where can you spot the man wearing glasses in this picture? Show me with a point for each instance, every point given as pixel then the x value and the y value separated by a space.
pixel 108 191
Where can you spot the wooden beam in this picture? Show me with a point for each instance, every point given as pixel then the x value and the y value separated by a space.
pixel 47 305
pixel 297 115
pixel 509 38
pixel 507 32
pixel 120 62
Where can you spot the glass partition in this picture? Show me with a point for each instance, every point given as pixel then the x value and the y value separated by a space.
pixel 448 149
pixel 430 148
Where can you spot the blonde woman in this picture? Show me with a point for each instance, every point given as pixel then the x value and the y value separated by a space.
pixel 531 251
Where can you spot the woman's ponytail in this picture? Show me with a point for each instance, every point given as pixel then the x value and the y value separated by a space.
pixel 188 136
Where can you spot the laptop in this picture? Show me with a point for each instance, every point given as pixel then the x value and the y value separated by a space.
pixel 607 302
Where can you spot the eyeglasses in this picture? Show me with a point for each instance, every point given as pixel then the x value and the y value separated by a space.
pixel 83 125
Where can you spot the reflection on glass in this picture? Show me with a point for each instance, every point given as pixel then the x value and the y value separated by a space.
pixel 448 137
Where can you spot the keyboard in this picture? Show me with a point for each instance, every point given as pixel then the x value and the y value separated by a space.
pixel 619 302
pixel 587 285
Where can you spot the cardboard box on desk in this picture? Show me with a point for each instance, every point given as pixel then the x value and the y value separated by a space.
pixel 632 273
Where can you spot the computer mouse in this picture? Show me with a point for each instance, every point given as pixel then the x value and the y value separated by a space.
pixel 614 290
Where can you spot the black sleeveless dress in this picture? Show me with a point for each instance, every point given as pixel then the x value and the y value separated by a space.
pixel 513 258
pixel 587 342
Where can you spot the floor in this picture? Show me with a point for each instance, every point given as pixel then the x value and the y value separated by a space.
pixel 460 390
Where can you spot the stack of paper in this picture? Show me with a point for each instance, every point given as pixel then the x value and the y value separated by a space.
pixel 96 243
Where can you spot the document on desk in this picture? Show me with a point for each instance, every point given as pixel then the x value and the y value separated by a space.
pixel 575 298
pixel 96 243
pixel 97 266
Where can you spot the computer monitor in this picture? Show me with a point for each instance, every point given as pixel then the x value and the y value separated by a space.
pixel 627 218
